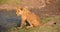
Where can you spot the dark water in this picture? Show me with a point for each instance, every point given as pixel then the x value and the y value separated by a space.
pixel 8 19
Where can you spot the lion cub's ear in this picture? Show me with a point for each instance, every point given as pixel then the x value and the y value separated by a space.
pixel 25 8
pixel 17 8
pixel 21 9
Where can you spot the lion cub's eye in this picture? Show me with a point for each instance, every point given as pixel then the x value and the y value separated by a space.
pixel 18 10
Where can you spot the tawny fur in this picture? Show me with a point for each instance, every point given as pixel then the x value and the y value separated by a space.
pixel 32 18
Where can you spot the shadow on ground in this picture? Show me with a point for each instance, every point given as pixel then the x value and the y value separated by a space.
pixel 8 19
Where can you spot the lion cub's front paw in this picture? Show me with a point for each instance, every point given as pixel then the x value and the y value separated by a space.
pixel 29 27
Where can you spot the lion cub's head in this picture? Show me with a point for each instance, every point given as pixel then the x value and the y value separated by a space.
pixel 20 11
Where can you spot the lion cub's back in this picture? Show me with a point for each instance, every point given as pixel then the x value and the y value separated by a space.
pixel 33 18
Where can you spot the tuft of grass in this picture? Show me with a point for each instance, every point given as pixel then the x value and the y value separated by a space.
pixel 45 20
pixel 18 1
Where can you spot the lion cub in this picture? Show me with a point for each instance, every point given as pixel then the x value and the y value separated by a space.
pixel 32 18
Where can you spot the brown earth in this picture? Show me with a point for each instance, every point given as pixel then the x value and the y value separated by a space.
pixel 40 7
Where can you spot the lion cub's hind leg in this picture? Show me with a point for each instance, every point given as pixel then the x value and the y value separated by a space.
pixel 28 24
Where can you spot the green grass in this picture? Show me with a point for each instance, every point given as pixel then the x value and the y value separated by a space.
pixel 38 29
pixel 2 1
pixel 45 20
pixel 10 1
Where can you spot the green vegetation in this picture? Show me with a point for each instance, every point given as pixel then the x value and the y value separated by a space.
pixel 45 20
pixel 2 1
pixel 10 1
